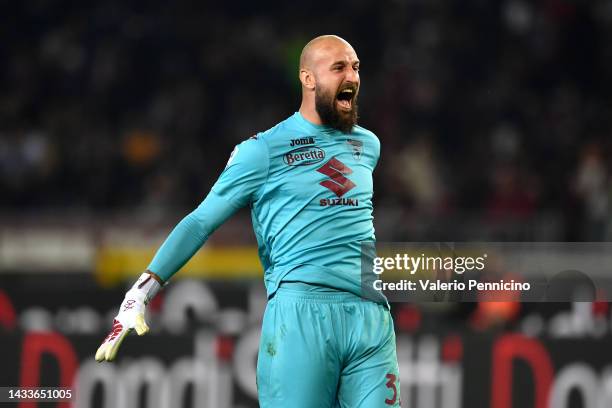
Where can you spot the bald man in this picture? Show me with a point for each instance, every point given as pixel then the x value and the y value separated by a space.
pixel 325 341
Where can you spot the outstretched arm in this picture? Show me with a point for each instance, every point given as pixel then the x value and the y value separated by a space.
pixel 238 185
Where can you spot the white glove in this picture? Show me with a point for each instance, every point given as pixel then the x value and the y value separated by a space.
pixel 130 316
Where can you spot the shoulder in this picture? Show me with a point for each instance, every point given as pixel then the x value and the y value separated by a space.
pixel 251 152
pixel 370 140
pixel 278 138
pixel 251 146
pixel 261 141
pixel 368 135
pixel 280 131
pixel 256 149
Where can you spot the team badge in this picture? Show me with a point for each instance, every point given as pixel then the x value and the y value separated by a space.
pixel 357 148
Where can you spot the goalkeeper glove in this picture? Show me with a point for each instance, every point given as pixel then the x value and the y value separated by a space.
pixel 130 316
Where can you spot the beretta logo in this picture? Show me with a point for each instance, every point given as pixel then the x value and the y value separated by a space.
pixel 304 156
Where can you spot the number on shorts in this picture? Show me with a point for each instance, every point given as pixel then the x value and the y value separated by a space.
pixel 391 384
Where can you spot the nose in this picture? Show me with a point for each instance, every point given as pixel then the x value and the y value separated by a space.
pixel 352 75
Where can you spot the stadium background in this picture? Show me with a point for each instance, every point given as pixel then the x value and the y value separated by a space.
pixel 116 117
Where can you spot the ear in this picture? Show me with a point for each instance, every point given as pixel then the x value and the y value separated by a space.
pixel 307 78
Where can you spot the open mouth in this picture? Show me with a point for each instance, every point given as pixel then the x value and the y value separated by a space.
pixel 345 98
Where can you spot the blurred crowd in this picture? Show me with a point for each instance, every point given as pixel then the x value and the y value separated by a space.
pixel 488 111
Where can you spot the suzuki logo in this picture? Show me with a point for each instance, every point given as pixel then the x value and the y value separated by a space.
pixel 335 170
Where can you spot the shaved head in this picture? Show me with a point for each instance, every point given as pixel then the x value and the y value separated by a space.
pixel 329 73
pixel 312 51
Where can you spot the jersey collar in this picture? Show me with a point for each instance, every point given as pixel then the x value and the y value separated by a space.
pixel 311 126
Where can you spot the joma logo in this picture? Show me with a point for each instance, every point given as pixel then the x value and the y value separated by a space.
pixel 302 141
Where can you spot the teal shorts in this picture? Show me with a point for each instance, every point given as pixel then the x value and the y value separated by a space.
pixel 326 350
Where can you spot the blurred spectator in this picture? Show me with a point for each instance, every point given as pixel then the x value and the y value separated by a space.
pixel 418 175
pixel 510 196
pixel 192 80
pixel 592 185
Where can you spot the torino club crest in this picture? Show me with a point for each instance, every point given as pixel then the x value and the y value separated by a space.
pixel 357 148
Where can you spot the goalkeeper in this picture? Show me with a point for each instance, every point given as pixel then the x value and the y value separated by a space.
pixel 308 182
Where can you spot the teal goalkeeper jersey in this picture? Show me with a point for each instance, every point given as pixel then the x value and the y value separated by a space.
pixel 309 189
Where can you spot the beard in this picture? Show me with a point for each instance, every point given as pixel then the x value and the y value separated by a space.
pixel 331 115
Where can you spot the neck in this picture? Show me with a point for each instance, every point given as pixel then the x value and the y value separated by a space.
pixel 309 113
